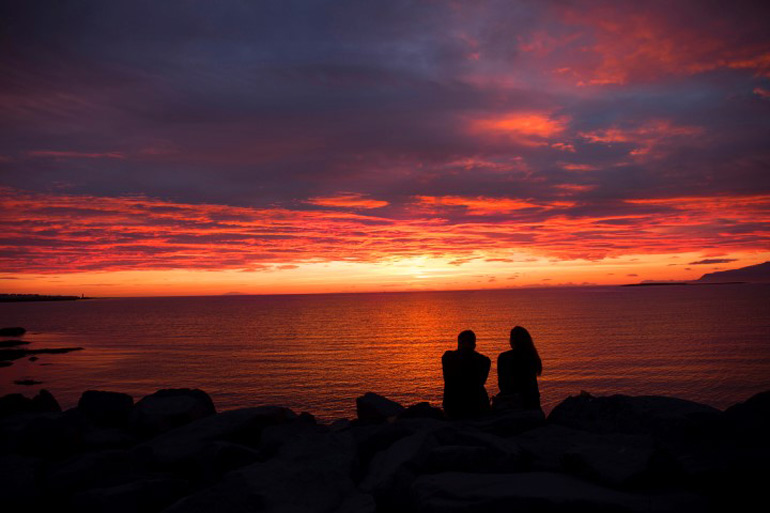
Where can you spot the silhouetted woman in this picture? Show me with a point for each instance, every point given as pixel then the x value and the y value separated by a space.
pixel 517 372
pixel 465 373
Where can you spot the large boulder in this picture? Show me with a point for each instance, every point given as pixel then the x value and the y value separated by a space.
pixel 97 438
pixel 533 492
pixel 372 407
pixel 422 410
pixel 311 474
pixel 451 447
pixel 616 460
pixel 149 494
pixel 20 486
pixel 508 423
pixel 47 435
pixel 750 420
pixel 170 408
pixel 90 470
pixel 181 447
pixel 668 419
pixel 43 402
pixel 106 408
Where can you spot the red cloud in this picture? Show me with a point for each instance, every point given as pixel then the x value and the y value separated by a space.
pixel 644 42
pixel 47 233
pixel 648 139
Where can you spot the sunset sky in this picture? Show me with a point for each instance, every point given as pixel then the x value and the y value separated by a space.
pixel 175 148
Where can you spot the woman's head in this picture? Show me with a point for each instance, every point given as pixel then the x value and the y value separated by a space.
pixel 520 338
pixel 522 344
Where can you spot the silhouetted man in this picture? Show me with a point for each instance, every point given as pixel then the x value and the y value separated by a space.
pixel 465 372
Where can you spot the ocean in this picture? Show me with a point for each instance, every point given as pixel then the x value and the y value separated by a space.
pixel 317 353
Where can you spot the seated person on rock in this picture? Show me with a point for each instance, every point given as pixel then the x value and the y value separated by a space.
pixel 465 373
pixel 517 372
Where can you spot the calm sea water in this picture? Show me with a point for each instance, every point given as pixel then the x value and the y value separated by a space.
pixel 317 353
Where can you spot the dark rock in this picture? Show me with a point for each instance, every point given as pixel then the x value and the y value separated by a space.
pixel 106 408
pixel 311 474
pixel 20 488
pixel 5 364
pixel 43 402
pixel 14 403
pixel 144 495
pixel 751 419
pixel 443 448
pixel 422 411
pixel 219 458
pixel 374 408
pixel 391 471
pixel 33 358
pixel 611 459
pixel 15 354
pixel 170 408
pixel 340 425
pixel 47 435
pixel 668 419
pixel 180 448
pixel 535 492
pixel 12 332
pixel 12 343
pixel 90 470
pixel 27 382
pixel 507 423
pixel 97 438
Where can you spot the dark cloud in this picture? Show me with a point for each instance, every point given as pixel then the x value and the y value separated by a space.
pixel 713 261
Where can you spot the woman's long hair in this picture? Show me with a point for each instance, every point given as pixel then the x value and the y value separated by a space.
pixel 524 347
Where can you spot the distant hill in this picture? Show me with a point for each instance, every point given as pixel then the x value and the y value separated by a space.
pixel 752 273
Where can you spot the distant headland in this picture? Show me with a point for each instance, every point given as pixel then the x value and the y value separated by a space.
pixel 759 273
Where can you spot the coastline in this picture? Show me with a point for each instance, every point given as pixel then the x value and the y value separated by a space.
pixel 171 451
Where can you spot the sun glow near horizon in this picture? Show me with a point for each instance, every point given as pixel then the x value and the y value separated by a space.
pixel 420 273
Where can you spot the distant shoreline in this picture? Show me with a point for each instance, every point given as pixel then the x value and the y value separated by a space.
pixel 19 298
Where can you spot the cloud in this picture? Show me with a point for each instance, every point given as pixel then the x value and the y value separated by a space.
pixel 76 154
pixel 348 200
pixel 521 125
pixel 713 261
pixel 62 233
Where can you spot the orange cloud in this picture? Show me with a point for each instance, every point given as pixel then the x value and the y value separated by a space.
pixel 522 125
pixel 347 200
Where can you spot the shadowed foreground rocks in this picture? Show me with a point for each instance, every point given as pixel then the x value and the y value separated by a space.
pixel 172 452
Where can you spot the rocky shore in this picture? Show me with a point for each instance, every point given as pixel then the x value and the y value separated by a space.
pixel 171 451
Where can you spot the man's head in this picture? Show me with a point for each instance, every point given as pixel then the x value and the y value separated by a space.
pixel 466 341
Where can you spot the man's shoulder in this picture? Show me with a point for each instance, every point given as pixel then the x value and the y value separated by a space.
pixel 483 358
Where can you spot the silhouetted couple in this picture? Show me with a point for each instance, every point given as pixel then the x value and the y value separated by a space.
pixel 466 372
